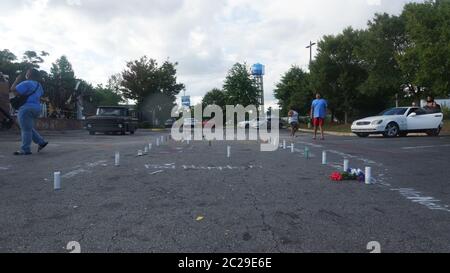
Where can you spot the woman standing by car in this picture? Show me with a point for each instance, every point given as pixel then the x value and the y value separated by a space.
pixel 30 111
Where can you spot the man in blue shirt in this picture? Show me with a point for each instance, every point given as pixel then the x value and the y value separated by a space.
pixel 318 114
pixel 30 111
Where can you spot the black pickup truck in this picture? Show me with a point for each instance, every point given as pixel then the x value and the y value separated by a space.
pixel 112 119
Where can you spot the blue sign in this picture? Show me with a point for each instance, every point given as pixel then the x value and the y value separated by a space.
pixel 186 101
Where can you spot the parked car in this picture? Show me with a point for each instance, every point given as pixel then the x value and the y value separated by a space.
pixel 399 122
pixel 169 123
pixel 190 122
pixel 112 119
pixel 256 124
pixel 246 123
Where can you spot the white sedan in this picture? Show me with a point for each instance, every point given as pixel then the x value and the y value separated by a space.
pixel 245 124
pixel 399 122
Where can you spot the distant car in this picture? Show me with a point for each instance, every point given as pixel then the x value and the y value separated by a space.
pixel 257 124
pixel 190 122
pixel 204 122
pixel 246 123
pixel 112 119
pixel 169 123
pixel 399 122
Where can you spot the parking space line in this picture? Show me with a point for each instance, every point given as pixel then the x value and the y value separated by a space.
pixel 425 147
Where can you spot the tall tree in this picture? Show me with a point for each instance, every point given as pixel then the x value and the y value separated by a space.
pixel 33 58
pixel 7 56
pixel 426 60
pixel 382 43
pixel 215 97
pixel 143 79
pixel 60 85
pixel 240 88
pixel 293 91
pixel 337 72
pixel 153 87
pixel 104 95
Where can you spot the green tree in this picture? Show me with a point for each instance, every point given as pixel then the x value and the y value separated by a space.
pixel 239 87
pixel 104 95
pixel 338 72
pixel 60 85
pixel 153 87
pixel 426 59
pixel 382 43
pixel 7 56
pixel 33 58
pixel 114 83
pixel 9 64
pixel 143 79
pixel 294 91
pixel 215 97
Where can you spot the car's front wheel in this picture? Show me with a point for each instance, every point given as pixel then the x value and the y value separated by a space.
pixel 392 130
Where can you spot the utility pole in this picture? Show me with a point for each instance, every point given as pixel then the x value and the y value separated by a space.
pixel 311 44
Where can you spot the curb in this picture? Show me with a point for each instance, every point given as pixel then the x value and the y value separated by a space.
pixel 331 133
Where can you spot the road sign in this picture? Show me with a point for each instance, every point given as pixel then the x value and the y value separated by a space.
pixel 186 101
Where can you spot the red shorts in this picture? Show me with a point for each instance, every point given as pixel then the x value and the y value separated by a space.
pixel 318 121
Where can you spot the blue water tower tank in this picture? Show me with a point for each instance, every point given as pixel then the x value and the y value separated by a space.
pixel 258 69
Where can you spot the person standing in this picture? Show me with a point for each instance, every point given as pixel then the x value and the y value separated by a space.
pixel 30 111
pixel 293 121
pixel 318 114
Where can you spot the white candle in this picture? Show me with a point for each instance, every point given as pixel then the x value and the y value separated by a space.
pixel 368 175
pixel 346 165
pixel 324 158
pixel 117 159
pixel 57 181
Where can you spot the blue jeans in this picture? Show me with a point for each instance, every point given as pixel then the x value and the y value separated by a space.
pixel 27 117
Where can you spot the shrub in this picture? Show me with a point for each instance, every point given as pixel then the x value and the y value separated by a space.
pixel 446 112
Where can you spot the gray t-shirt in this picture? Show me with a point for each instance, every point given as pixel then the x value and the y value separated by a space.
pixel 294 117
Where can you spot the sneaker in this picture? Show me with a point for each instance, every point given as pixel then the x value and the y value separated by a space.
pixel 41 147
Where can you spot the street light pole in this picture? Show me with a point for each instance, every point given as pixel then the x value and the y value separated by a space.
pixel 311 44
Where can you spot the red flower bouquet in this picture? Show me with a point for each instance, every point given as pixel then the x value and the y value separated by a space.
pixel 336 176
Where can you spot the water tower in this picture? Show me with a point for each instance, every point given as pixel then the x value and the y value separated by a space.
pixel 258 71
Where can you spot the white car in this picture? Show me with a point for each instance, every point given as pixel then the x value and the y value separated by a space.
pixel 245 124
pixel 399 122
pixel 192 122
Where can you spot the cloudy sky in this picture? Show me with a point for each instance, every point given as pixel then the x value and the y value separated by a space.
pixel 206 37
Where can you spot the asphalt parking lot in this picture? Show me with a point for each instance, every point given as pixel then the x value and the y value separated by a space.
pixel 191 198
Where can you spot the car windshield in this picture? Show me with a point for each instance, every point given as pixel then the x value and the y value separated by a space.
pixel 394 112
pixel 110 112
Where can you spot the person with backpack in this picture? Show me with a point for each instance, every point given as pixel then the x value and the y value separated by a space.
pixel 28 95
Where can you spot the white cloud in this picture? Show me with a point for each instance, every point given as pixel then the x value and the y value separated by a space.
pixel 205 37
